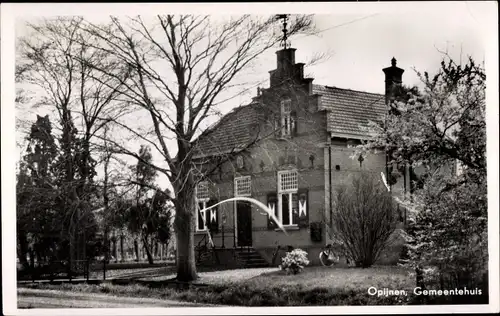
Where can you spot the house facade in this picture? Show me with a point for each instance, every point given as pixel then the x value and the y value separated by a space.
pixel 288 149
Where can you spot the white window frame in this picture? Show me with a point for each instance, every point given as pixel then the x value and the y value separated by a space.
pixel 203 201
pixel 287 121
pixel 243 178
pixel 289 192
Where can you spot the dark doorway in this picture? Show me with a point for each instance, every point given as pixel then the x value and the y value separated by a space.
pixel 244 223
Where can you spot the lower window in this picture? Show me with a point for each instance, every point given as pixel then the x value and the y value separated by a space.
pixel 201 224
pixel 288 213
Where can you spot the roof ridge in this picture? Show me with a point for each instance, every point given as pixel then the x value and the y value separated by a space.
pixel 345 89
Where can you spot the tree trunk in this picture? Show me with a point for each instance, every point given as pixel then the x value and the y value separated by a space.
pixel 148 250
pixel 106 244
pixel 122 251
pixel 106 205
pixel 136 250
pixel 165 253
pixel 184 224
pixel 115 250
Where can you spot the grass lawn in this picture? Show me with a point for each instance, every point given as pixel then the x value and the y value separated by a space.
pixel 339 278
pixel 314 286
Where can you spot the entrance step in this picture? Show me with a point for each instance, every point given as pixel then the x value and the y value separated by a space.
pixel 230 257
pixel 250 258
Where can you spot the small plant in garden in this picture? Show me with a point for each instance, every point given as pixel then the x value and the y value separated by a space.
pixel 294 261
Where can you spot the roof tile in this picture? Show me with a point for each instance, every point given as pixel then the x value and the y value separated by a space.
pixel 349 111
pixel 234 131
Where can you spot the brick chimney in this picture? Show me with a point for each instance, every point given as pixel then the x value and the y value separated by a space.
pixel 393 80
pixel 286 68
pixel 285 58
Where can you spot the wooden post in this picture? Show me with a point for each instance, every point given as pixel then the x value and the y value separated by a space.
pixel 70 271
pixel 104 269
pixel 223 235
pixel 88 269
pixel 122 251
pixel 32 263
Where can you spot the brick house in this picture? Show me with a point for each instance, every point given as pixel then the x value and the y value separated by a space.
pixel 288 149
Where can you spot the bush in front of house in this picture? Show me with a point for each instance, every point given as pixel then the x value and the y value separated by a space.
pixel 364 218
pixel 294 261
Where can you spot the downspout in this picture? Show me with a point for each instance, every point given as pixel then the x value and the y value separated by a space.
pixel 330 182
pixel 389 182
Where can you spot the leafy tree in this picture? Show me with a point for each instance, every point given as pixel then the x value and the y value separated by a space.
pixel 37 218
pixel 144 173
pixel 364 218
pixel 440 131
pixel 149 217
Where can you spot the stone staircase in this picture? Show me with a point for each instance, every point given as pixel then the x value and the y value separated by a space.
pixel 249 258
pixel 230 258
pixel 204 256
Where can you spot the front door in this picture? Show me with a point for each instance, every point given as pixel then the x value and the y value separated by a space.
pixel 244 223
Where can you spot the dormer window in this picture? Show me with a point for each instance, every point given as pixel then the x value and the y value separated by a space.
pixel 287 118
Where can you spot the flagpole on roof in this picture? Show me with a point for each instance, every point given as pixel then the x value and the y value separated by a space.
pixel 284 41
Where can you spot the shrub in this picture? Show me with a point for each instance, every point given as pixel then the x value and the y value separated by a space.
pixel 364 218
pixel 294 261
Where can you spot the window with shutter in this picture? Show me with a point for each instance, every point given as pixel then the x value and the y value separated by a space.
pixel 303 207
pixel 272 204
pixel 202 197
pixel 201 217
pixel 213 217
pixel 287 197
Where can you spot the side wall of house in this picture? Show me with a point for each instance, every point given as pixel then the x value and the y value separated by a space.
pixel 345 164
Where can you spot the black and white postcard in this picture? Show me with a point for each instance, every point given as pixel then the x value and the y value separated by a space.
pixel 248 158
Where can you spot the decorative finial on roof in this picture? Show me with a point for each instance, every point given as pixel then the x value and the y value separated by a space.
pixel 393 62
pixel 284 41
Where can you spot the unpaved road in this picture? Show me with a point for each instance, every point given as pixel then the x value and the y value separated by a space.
pixel 34 298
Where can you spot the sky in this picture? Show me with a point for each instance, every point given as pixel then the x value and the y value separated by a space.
pixel 358 41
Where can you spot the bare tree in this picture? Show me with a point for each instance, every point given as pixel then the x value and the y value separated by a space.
pixel 75 93
pixel 364 218
pixel 180 68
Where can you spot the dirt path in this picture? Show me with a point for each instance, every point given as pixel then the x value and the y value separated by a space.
pixel 215 277
pixel 33 298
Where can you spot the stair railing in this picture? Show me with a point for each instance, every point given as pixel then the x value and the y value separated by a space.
pixel 208 240
pixel 200 246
